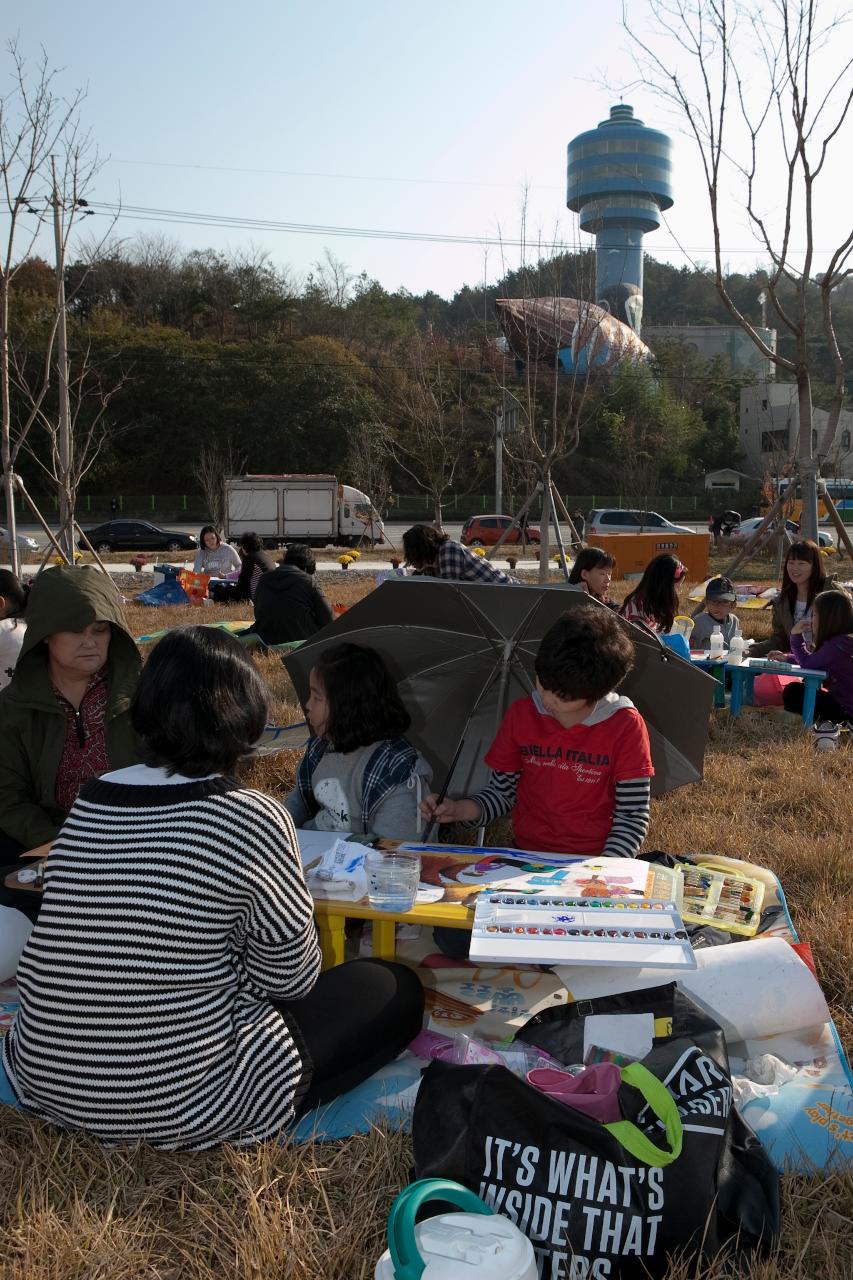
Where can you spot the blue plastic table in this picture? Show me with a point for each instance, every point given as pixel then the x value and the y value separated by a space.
pixel 717 668
pixel 743 678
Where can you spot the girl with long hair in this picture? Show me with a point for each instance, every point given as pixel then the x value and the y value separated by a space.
pixel 654 601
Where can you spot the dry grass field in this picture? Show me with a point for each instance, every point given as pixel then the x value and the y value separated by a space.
pixel 72 1211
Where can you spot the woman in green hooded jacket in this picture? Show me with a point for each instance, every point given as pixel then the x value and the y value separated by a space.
pixel 64 715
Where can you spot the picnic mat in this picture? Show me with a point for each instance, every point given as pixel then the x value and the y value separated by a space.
pixel 806 1123
pixel 220 626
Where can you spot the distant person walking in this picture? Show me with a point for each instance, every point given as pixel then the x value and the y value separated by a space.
pixel 432 553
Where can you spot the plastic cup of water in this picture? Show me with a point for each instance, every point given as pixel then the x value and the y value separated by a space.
pixel 392 880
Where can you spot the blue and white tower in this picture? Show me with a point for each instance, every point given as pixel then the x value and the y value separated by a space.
pixel 619 180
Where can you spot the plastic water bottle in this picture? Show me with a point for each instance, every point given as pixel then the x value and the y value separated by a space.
pixel 476 1244
pixel 735 657
pixel 717 644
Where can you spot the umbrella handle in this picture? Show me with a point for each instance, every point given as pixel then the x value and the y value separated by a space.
pixel 428 830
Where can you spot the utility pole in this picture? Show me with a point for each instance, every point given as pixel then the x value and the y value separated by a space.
pixel 66 515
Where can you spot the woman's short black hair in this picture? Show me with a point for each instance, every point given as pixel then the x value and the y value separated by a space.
pixel 300 556
pixel 364 705
pixel 14 592
pixel 209 528
pixel 591 558
pixel 586 654
pixel 251 543
pixel 200 705
pixel 421 543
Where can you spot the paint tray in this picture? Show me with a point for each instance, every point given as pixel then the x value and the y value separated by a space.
pixel 722 899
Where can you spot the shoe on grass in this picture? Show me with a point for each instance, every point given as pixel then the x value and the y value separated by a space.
pixel 826 735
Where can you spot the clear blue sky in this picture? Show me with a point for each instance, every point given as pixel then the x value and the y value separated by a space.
pixel 432 117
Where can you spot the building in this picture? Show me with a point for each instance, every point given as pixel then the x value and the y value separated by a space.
pixel 770 435
pixel 726 478
pixel 727 340
pixel 619 180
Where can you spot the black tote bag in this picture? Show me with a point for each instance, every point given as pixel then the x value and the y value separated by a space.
pixel 682 1173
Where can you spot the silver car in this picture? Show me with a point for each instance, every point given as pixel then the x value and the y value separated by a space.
pixel 26 545
pixel 619 520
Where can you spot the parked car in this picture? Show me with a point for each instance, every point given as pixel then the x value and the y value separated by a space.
pixel 26 545
pixel 747 528
pixel 484 531
pixel 137 535
pixel 619 520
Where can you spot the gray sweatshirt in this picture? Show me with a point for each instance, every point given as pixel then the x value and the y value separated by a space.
pixel 703 626
pixel 337 786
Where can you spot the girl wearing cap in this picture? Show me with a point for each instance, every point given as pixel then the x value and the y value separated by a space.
pixel 654 601
pixel 720 597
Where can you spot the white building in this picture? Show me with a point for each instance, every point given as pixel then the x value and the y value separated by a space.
pixel 770 430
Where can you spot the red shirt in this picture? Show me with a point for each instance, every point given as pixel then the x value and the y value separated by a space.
pixel 84 754
pixel 567 789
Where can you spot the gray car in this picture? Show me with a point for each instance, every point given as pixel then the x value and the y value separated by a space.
pixel 622 520
pixel 26 545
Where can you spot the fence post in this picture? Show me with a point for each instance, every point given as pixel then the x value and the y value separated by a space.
pixel 184 496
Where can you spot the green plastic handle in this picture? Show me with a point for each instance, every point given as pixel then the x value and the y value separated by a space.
pixel 408 1263
pixel 663 1105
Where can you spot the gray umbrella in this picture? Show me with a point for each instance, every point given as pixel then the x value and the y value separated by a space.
pixel 462 652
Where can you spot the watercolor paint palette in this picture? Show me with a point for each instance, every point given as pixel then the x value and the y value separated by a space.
pixel 552 928
pixel 723 900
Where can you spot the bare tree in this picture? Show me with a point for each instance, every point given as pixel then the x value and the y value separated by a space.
pixel 367 465
pixel 47 164
pixel 771 105
pixel 430 404
pixel 217 461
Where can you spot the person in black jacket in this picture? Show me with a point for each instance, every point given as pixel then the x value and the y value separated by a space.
pixel 255 563
pixel 288 603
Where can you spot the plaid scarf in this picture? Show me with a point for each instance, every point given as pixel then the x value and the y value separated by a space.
pixel 392 763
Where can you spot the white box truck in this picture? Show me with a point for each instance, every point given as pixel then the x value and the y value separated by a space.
pixel 301 508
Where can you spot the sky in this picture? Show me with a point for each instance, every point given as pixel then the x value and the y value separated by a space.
pixel 444 118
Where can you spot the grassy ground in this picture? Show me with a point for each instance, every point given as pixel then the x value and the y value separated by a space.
pixel 72 1211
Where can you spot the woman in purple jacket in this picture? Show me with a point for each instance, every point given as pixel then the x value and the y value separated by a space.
pixel 831 625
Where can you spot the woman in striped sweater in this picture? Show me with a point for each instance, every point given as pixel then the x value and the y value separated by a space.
pixel 170 990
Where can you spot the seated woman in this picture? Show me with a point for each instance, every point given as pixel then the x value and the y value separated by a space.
pixel 65 711
pixel 433 554
pixel 654 600
pixel 170 990
pixel 254 563
pixel 359 773
pixel 214 556
pixel 803 577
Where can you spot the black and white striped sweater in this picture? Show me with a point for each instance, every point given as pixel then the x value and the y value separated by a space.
pixel 171 912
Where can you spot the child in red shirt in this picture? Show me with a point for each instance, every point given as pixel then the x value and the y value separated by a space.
pixel 571 762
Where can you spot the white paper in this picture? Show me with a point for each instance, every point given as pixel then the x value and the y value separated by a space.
pixel 753 989
pixel 628 1033
pixel 316 844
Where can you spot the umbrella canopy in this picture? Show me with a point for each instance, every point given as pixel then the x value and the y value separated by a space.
pixel 461 653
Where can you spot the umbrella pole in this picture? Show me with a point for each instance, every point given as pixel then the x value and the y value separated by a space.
pixel 428 829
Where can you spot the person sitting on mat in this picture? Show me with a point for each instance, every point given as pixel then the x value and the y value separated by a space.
pixel 65 712
pixel 359 773
pixel 288 603
pixel 571 763
pixel 433 554
pixel 803 577
pixel 831 627
pixel 171 991
pixel 214 556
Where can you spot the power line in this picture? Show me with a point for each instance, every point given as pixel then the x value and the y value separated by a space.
pixel 142 213
pixel 338 177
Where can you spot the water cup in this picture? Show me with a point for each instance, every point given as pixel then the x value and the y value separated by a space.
pixel 392 879
pixel 682 626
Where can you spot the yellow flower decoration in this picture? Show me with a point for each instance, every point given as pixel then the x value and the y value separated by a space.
pixel 345 561
pixel 479 551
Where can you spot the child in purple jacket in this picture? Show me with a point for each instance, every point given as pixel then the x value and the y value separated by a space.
pixel 831 622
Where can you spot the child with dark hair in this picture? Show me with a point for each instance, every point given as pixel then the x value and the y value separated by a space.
pixel 831 626
pixel 177 940
pixel 592 570
pixel 359 772
pixel 654 600
pixel 572 762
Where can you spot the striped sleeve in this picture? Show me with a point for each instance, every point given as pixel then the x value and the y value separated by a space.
pixel 496 798
pixel 630 818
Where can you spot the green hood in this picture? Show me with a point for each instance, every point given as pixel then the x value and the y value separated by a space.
pixel 69 598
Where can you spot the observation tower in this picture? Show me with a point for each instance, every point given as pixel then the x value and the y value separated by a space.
pixel 619 181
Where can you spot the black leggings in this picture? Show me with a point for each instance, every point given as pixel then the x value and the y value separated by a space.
pixel 825 707
pixel 358 1017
